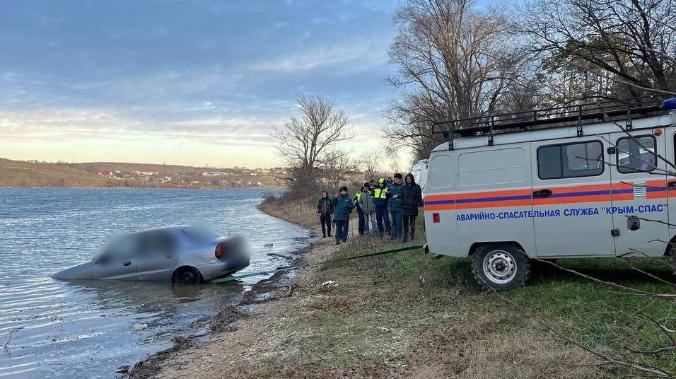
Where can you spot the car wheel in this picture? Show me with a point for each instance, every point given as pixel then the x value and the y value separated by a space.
pixel 500 267
pixel 187 276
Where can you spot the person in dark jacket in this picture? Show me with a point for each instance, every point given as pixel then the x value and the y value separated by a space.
pixel 380 197
pixel 342 206
pixel 325 210
pixel 360 212
pixel 411 199
pixel 394 206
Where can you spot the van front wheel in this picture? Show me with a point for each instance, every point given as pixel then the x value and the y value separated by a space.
pixel 500 267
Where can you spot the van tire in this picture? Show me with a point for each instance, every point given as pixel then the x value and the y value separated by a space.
pixel 500 267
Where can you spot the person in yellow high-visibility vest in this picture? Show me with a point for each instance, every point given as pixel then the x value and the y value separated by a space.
pixel 380 197
pixel 360 211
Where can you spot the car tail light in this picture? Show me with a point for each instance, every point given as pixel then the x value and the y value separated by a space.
pixel 436 218
pixel 221 250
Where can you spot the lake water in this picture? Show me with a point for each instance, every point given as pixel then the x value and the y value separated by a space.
pixel 50 328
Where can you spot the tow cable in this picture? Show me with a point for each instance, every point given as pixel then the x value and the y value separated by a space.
pixel 288 268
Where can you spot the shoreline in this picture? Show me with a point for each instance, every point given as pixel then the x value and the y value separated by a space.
pixel 266 290
pixel 279 285
pixel 142 187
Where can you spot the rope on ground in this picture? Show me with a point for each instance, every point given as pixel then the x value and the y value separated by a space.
pixel 287 268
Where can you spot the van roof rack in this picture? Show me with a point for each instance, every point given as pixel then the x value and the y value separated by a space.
pixel 557 117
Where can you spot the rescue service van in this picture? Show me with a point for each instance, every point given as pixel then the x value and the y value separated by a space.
pixel 597 180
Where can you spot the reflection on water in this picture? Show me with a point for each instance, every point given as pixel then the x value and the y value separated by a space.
pixel 89 328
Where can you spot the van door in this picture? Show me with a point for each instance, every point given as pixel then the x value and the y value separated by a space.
pixel 571 195
pixel 440 225
pixel 639 203
pixel 670 141
pixel 493 196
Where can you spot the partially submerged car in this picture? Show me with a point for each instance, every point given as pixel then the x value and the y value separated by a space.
pixel 178 254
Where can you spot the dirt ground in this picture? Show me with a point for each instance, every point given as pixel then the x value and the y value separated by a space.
pixel 337 320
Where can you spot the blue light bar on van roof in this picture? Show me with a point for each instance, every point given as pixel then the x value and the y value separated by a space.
pixel 669 104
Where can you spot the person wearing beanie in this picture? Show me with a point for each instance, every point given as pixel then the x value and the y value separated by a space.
pixel 393 204
pixel 342 207
pixel 411 199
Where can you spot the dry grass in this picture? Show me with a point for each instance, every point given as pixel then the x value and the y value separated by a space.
pixel 298 211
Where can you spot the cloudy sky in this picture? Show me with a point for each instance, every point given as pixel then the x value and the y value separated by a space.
pixel 186 82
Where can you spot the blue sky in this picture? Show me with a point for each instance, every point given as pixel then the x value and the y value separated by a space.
pixel 188 82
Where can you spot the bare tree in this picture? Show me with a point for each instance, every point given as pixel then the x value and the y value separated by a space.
pixel 305 141
pixel 606 48
pixel 452 64
pixel 337 168
pixel 369 163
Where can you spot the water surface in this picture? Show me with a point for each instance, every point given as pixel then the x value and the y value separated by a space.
pixel 88 329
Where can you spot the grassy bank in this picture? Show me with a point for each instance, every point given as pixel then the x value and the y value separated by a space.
pixel 298 211
pixel 415 315
pixel 416 310
pixel 408 312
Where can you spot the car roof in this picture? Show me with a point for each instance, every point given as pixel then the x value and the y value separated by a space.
pixel 163 229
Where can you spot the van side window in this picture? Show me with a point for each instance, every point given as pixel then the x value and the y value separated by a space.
pixel 636 154
pixel 572 160
pixel 439 172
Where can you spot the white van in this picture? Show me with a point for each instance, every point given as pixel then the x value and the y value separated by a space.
pixel 561 183
pixel 419 171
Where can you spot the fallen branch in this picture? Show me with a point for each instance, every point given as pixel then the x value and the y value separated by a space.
pixel 645 272
pixel 655 371
pixel 632 291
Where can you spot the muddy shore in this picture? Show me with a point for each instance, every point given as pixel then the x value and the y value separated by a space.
pixel 279 285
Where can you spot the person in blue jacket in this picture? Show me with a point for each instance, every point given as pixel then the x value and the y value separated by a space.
pixel 394 205
pixel 342 207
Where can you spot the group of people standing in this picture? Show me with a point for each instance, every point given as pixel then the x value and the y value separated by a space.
pixel 387 207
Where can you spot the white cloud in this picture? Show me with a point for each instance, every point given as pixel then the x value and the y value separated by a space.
pixel 355 55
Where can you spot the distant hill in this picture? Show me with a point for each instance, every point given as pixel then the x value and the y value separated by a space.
pixel 111 174
pixel 29 174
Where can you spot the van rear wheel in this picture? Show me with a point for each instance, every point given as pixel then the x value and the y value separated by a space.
pixel 500 267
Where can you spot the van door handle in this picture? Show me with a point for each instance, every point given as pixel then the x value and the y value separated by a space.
pixel 126 263
pixel 671 185
pixel 542 194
